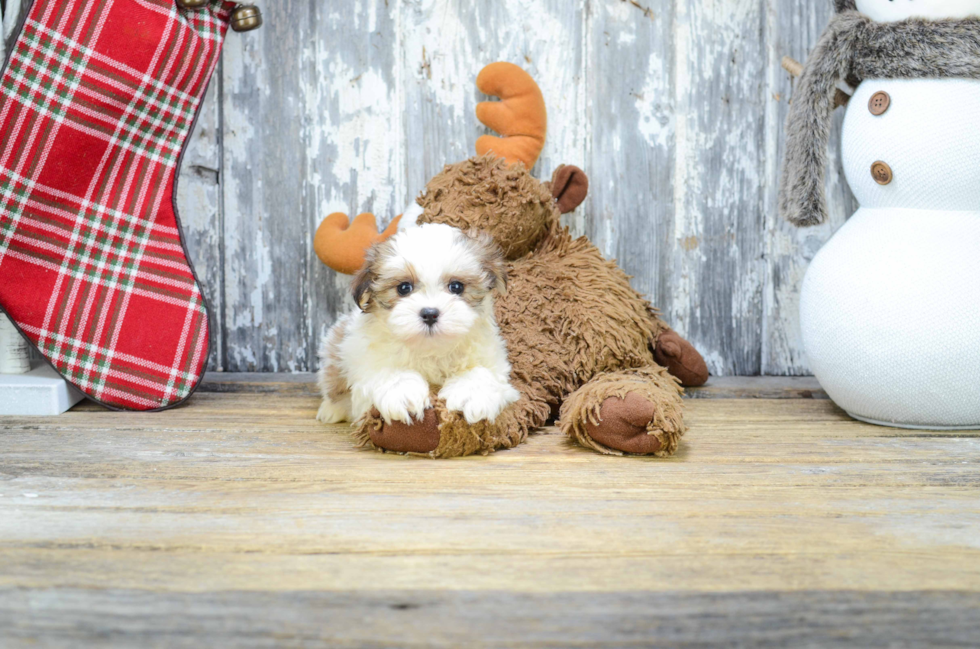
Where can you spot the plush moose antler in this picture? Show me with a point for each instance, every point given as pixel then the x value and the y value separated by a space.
pixel 521 116
pixel 342 248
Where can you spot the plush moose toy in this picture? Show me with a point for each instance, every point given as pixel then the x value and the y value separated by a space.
pixel 581 341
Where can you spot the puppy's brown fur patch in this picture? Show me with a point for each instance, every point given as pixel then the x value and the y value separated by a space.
pixel 493 275
pixel 333 380
pixel 385 286
pixel 374 286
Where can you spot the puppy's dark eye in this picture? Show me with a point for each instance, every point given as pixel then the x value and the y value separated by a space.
pixel 405 288
pixel 456 288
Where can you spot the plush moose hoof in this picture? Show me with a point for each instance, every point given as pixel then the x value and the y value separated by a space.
pixel 681 359
pixel 419 437
pixel 624 425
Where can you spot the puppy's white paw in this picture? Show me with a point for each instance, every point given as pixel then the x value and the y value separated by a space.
pixel 479 397
pixel 404 401
pixel 333 413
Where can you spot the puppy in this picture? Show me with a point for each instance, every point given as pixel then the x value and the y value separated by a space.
pixel 426 319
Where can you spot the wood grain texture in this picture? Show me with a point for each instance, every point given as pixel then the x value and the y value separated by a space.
pixel 13 10
pixel 717 268
pixel 674 109
pixel 126 618
pixel 631 208
pixel 267 191
pixel 199 208
pixel 310 127
pixel 792 29
pixel 774 515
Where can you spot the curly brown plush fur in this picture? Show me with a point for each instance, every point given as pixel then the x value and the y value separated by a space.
pixel 487 194
pixel 854 48
pixel 579 337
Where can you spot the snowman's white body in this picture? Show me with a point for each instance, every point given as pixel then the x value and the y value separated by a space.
pixel 890 307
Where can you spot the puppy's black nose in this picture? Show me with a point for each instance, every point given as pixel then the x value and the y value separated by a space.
pixel 429 316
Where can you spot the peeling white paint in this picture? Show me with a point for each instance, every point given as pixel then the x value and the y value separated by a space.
pixel 657 124
pixel 362 137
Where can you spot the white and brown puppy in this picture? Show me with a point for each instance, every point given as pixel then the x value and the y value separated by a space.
pixel 425 319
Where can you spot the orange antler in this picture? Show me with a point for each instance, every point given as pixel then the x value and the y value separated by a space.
pixel 521 116
pixel 343 248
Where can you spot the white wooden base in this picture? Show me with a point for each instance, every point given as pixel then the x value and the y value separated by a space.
pixel 892 424
pixel 39 393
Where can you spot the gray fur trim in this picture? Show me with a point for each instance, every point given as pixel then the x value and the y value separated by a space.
pixel 854 47
pixel 845 5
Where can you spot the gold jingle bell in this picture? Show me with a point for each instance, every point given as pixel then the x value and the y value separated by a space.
pixel 193 5
pixel 245 18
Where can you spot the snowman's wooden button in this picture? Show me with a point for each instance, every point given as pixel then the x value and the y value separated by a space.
pixel 881 172
pixel 879 103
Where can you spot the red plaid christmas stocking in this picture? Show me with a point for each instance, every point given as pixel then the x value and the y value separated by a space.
pixel 96 101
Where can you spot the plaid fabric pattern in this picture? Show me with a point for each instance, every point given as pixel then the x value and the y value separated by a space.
pixel 96 102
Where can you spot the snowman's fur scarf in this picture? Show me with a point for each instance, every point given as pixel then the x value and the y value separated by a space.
pixel 854 48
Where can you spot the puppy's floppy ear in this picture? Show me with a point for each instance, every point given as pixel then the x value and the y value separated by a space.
pixel 497 270
pixel 491 260
pixel 361 287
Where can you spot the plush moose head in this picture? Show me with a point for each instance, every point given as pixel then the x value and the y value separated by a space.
pixel 493 192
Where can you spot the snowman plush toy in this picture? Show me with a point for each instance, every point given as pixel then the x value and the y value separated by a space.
pixel 890 307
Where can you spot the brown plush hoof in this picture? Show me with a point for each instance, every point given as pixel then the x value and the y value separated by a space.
pixel 623 425
pixel 419 437
pixel 681 359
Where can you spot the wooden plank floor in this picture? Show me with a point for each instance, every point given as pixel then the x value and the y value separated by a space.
pixel 238 520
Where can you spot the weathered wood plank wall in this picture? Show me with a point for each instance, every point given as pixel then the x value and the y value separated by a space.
pixel 675 108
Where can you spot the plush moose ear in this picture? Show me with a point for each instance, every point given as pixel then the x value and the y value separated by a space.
pixel 569 186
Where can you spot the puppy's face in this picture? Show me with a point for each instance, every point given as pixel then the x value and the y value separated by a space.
pixel 431 283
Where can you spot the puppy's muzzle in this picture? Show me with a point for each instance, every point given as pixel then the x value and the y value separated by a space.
pixel 429 316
